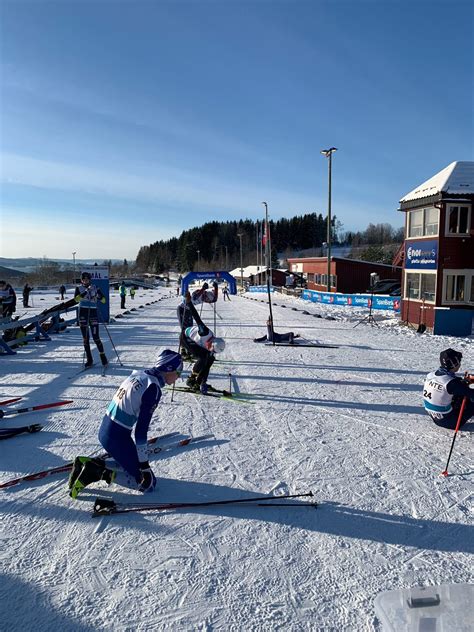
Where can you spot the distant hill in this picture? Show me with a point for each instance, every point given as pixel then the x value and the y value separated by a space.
pixel 29 264
pixel 10 273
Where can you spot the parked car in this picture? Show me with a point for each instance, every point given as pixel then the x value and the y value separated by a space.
pixel 392 287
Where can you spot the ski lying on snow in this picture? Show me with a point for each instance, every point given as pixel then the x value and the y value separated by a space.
pixel 17 411
pixel 107 507
pixel 300 344
pixel 219 394
pixel 68 466
pixel 84 369
pixel 8 433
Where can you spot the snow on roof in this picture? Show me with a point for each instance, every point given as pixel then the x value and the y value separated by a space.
pixel 249 270
pixel 457 178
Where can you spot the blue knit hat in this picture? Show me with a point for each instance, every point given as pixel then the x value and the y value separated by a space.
pixel 169 361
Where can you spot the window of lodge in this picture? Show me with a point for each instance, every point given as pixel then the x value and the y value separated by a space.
pixel 458 286
pixel 423 222
pixel 420 286
pixel 458 218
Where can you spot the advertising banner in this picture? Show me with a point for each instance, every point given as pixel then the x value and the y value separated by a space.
pixel 100 278
pixel 259 288
pixel 421 255
pixel 379 301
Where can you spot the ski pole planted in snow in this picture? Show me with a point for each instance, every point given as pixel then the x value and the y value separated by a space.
pixel 16 411
pixel 461 411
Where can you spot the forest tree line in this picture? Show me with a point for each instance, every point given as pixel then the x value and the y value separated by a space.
pixel 216 245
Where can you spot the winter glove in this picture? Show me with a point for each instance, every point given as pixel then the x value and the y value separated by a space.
pixel 148 480
pixel 205 286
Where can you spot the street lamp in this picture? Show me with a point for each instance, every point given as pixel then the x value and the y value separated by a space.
pixel 74 267
pixel 240 235
pixel 199 262
pixel 328 153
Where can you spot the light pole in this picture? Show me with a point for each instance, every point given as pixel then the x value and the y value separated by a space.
pixel 74 267
pixel 328 153
pixel 240 235
pixel 199 262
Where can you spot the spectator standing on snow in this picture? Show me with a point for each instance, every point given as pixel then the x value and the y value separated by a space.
pixel 88 296
pixel 131 408
pixel 123 294
pixel 444 391
pixel 26 294
pixel 62 291
pixel 7 299
pixel 132 292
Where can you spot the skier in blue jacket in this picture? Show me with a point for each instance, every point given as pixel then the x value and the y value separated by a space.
pixel 131 408
pixel 444 391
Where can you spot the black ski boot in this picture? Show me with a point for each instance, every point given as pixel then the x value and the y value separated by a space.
pixel 191 382
pixel 93 470
pixel 89 360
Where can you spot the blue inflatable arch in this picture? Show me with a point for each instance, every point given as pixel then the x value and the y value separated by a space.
pixel 205 276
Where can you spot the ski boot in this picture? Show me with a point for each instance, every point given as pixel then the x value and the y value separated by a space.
pixel 92 471
pixel 204 388
pixel 89 360
pixel 79 463
pixel 191 382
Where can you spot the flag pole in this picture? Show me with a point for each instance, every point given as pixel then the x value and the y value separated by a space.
pixel 268 267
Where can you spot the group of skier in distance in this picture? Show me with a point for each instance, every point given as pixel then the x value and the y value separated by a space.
pixel 447 397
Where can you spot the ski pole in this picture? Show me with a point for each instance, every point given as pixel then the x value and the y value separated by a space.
pixel 8 433
pixel 461 411
pixel 16 411
pixel 110 337
pixel 105 506
pixel 230 382
pixel 10 401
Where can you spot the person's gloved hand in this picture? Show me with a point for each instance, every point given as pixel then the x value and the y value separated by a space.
pixel 205 286
pixel 148 480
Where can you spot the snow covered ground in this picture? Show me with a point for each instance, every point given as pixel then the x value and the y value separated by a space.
pixel 346 423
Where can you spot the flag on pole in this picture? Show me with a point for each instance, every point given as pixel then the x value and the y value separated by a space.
pixel 264 238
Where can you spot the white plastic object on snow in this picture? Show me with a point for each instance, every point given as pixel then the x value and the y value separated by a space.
pixel 444 608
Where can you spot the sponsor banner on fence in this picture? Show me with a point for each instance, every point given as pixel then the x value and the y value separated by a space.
pixel 379 301
pixel 259 288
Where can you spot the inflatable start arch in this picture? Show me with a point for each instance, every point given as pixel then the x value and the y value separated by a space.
pixel 218 276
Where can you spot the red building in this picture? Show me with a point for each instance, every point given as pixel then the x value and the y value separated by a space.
pixel 348 276
pixel 438 253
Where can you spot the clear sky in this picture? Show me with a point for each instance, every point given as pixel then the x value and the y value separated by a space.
pixel 123 123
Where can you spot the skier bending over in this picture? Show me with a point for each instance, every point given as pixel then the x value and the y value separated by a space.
pixel 272 335
pixel 132 406
pixel 202 295
pixel 443 392
pixel 199 342
pixel 88 316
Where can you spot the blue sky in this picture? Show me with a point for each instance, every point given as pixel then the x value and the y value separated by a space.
pixel 123 123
